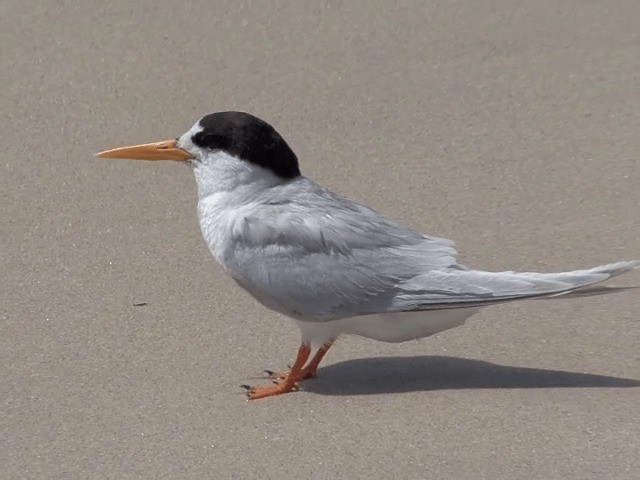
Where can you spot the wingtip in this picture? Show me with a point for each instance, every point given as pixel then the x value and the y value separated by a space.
pixel 619 267
pixel 632 264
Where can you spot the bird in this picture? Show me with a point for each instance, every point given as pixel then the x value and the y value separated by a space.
pixel 331 264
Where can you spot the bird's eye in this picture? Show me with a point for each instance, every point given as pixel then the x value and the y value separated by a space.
pixel 209 140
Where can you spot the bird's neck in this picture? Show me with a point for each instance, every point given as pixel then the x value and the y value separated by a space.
pixel 231 179
pixel 228 189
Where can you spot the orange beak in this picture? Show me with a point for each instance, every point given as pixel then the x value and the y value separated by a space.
pixel 166 150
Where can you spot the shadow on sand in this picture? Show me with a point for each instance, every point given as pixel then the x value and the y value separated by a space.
pixel 410 374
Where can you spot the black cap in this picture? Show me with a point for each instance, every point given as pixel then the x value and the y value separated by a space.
pixel 250 139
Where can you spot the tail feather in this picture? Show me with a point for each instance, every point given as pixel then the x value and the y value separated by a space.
pixel 473 288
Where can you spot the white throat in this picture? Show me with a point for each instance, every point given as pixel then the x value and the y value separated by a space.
pixel 219 173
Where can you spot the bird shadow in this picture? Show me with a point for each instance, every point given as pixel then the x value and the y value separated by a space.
pixel 368 376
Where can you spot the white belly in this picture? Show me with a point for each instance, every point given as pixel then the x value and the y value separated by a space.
pixel 390 327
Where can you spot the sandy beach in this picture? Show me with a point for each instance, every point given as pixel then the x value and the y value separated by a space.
pixel 508 127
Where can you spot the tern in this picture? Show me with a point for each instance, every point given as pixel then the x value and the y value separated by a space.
pixel 333 265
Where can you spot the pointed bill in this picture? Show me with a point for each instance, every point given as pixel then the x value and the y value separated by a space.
pixel 166 150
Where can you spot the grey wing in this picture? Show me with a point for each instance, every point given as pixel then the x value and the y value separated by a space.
pixel 322 256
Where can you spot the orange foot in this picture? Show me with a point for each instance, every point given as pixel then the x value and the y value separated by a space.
pixel 290 382
pixel 255 393
pixel 310 371
pixel 292 378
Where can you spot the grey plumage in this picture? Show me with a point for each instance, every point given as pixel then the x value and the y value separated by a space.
pixel 313 254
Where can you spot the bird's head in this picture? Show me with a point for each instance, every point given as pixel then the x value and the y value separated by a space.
pixel 230 136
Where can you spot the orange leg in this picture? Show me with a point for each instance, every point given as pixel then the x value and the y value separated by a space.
pixel 311 370
pixel 291 380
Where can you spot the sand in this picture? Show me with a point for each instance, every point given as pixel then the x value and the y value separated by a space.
pixel 509 127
